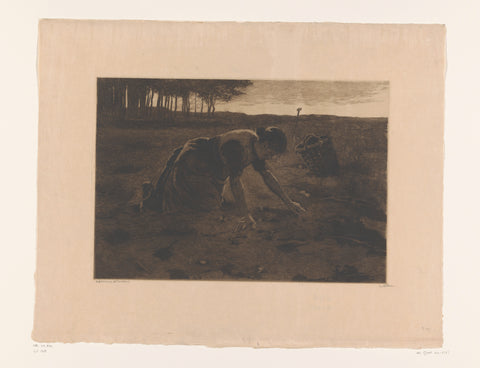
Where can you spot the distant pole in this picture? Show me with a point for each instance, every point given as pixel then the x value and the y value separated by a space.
pixel 295 127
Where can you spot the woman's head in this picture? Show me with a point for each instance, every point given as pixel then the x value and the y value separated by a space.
pixel 272 141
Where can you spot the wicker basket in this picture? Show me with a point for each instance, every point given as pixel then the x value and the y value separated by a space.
pixel 319 155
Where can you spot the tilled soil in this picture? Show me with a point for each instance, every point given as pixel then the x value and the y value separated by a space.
pixel 341 237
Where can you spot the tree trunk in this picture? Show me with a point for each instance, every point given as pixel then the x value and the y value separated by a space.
pixel 171 107
pixel 147 102
pixel 210 106
pixel 122 95
pixel 150 107
pixel 160 110
pixel 159 100
pixel 141 100
pixel 132 99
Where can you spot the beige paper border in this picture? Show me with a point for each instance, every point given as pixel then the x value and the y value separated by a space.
pixel 72 307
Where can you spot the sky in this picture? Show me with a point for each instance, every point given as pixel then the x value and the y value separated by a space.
pixel 360 99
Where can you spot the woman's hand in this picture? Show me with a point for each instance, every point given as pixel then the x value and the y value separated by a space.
pixel 244 223
pixel 296 208
pixel 275 187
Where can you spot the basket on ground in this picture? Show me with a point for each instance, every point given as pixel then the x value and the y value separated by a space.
pixel 319 155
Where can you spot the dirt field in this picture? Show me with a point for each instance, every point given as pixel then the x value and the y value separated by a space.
pixel 341 238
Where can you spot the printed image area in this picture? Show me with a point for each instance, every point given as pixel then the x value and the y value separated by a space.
pixel 256 180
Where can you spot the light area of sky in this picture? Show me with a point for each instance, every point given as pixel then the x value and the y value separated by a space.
pixel 360 99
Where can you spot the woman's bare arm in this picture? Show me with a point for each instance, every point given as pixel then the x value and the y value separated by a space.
pixel 238 193
pixel 237 190
pixel 272 183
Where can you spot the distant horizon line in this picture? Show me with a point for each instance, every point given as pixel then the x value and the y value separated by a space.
pixel 283 115
pixel 338 116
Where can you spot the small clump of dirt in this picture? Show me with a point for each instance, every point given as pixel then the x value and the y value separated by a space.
pixel 255 274
pixel 164 253
pixel 228 270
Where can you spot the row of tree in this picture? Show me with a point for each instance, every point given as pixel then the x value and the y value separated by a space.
pixel 164 98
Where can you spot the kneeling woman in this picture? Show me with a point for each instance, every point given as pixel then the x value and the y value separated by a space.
pixel 195 174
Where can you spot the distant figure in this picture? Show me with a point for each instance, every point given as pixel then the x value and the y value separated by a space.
pixel 195 174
